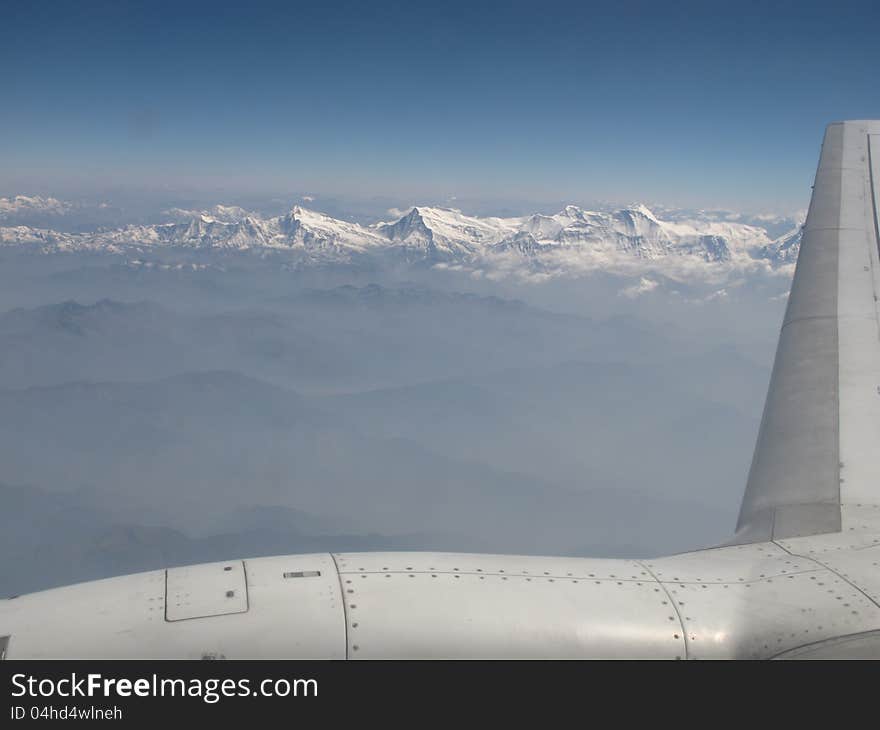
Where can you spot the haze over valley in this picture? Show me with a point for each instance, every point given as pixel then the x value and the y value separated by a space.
pixel 223 383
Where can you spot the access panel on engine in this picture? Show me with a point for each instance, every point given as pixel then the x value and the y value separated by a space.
pixel 199 591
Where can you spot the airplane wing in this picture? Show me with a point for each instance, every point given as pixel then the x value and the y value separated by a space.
pixel 817 449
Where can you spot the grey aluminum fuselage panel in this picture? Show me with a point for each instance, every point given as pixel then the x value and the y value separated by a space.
pixel 744 601
pixel 817 443
pixel 800 578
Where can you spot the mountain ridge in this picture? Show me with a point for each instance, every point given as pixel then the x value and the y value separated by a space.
pixel 572 242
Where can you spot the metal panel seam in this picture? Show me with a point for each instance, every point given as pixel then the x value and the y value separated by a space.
pixel 830 569
pixel 342 598
pixel 873 195
pixel 835 396
pixel 848 318
pixel 247 589
pixel 827 642
pixel 672 603
pixel 578 576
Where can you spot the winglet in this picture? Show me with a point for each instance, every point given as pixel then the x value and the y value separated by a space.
pixel 821 399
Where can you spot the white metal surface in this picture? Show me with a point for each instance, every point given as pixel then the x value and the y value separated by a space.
pixel 125 617
pixel 859 348
pixel 753 601
pixel 757 601
pixel 459 605
pixel 199 591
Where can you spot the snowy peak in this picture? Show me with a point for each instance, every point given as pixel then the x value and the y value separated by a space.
pixel 784 250
pixel 543 226
pixel 219 213
pixel 573 241
pixel 643 211
pixel 410 226
pixel 21 204
pixel 446 233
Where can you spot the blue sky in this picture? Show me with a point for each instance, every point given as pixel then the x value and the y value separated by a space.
pixel 676 102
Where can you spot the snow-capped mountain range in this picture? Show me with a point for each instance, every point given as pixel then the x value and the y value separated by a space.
pixel 24 204
pixel 629 241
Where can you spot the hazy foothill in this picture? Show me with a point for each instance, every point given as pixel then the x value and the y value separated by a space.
pixel 228 382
